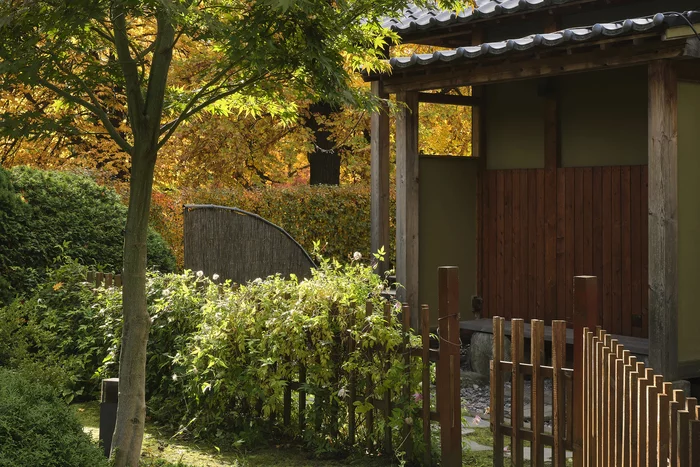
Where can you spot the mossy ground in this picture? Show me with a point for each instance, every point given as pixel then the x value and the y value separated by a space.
pixel 158 447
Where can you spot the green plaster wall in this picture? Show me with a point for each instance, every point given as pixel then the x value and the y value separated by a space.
pixel 688 222
pixel 447 228
pixel 603 118
pixel 514 120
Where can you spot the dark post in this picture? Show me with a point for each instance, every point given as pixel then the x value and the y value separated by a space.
pixel 108 412
pixel 585 315
pixel 448 400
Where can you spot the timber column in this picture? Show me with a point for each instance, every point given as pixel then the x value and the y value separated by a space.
pixel 407 192
pixel 379 133
pixel 663 220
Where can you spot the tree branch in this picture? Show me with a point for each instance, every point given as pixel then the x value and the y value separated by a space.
pixel 129 68
pixel 194 109
pixel 94 107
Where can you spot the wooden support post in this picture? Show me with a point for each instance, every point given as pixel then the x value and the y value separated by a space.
pixel 108 412
pixel 407 187
pixel 448 398
pixel 585 315
pixel 379 133
pixel 537 388
pixel 663 224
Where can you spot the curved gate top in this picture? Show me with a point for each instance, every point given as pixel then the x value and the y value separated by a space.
pixel 240 245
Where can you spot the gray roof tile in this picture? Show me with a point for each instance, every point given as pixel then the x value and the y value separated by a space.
pixel 421 18
pixel 573 35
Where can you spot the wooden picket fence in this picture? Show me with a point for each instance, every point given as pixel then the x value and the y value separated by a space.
pixel 632 416
pixel 100 279
pixel 611 410
pixel 560 436
pixel 447 384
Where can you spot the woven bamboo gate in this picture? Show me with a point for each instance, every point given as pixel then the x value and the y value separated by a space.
pixel 631 416
pixel 560 437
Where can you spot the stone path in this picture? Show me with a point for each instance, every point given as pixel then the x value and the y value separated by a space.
pixel 475 394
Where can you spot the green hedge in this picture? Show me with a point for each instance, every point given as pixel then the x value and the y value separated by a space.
pixel 37 428
pixel 336 216
pixel 46 214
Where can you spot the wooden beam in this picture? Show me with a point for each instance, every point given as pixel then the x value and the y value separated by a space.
pixel 407 194
pixel 448 99
pixel 496 70
pixel 663 222
pixel 379 173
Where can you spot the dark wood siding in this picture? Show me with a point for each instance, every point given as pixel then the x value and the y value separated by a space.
pixel 541 227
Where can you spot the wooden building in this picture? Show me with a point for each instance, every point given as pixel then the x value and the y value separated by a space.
pixel 586 132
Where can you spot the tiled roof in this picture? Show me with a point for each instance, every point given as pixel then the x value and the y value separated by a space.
pixel 573 35
pixel 421 18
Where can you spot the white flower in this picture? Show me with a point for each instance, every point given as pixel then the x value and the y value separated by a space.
pixel 357 256
pixel 341 393
pixel 200 273
pixel 215 277
pixel 408 420
pixel 257 281
pixel 174 377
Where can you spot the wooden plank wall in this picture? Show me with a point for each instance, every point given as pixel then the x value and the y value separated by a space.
pixel 542 227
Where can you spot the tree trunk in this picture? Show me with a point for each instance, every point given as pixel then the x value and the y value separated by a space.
pixel 131 411
pixel 324 160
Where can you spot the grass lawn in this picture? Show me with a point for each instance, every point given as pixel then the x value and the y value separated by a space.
pixel 158 446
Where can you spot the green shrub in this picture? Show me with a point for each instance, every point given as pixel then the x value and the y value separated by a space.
pixel 47 214
pixel 60 334
pixel 37 428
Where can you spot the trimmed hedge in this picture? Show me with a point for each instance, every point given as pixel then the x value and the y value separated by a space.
pixel 45 214
pixel 37 428
pixel 336 216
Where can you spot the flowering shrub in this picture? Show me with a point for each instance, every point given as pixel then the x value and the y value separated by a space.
pixel 219 358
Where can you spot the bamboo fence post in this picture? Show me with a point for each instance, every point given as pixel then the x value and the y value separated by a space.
pixel 118 280
pixel 425 385
pixel 406 319
pixel 352 421
pixel 664 432
pixel 497 391
pixel 449 404
pixel 558 362
pixel 516 407
pixel 98 279
pixel 387 394
pixel 585 315
pixel 537 385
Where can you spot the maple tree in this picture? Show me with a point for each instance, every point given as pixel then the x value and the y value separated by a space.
pixel 83 53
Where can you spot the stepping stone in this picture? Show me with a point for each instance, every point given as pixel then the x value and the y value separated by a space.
pixel 469 445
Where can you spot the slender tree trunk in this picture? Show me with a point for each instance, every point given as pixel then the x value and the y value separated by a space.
pixel 131 411
pixel 324 161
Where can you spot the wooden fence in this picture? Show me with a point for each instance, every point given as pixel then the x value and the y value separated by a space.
pixel 100 279
pixel 447 383
pixel 560 436
pixel 631 416
pixel 610 410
